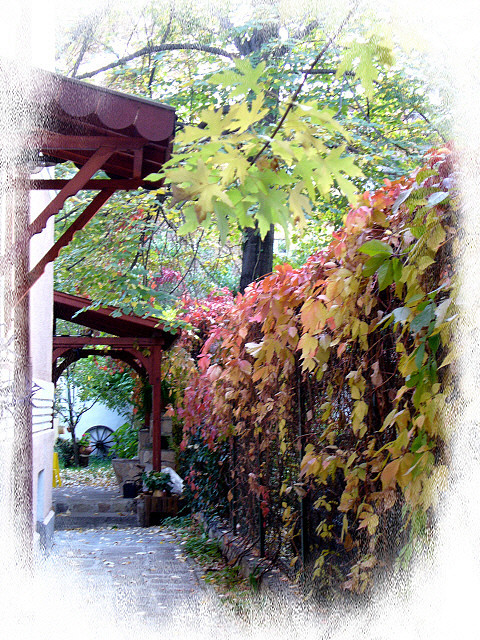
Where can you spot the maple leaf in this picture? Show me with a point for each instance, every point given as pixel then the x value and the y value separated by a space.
pixel 244 117
pixel 244 78
pixel 299 204
pixel 360 58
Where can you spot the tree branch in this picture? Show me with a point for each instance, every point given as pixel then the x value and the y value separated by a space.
pixel 190 265
pixel 156 49
pixel 325 72
pixel 86 41
pixel 304 79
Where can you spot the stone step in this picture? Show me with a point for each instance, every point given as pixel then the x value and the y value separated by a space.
pixel 76 505
pixel 94 520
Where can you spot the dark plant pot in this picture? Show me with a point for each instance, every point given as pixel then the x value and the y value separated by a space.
pixel 83 460
pixel 130 489
pixel 152 511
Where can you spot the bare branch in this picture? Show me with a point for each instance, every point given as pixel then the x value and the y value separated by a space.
pixel 325 72
pixel 86 41
pixel 191 263
pixel 156 49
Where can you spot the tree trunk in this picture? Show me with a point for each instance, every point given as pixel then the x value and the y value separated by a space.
pixel 257 259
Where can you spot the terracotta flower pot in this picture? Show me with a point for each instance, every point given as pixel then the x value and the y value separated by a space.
pixel 85 451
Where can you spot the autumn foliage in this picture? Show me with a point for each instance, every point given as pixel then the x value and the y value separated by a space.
pixel 326 386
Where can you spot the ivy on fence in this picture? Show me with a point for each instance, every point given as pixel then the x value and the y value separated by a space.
pixel 322 389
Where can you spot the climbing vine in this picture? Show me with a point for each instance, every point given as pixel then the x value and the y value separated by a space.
pixel 329 383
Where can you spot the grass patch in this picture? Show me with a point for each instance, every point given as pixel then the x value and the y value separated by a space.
pixel 232 588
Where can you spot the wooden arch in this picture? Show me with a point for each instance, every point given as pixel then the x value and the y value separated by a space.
pixel 129 356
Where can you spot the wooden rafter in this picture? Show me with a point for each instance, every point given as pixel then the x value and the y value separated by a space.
pixel 73 186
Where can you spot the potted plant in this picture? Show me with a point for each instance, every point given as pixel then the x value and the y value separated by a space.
pixel 84 449
pixel 157 502
pixel 126 463
pixel 158 482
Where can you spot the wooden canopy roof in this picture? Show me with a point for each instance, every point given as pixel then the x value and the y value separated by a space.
pixel 137 341
pixel 98 129
pixel 75 309
pixel 74 115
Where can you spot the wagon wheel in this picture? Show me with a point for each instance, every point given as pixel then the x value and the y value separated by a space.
pixel 101 439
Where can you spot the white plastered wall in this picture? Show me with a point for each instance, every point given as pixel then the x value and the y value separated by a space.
pixel 41 328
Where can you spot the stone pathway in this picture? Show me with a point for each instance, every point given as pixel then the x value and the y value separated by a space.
pixel 134 578
pixel 149 561
pixel 129 582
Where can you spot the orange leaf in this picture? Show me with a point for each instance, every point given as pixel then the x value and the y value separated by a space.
pixel 389 474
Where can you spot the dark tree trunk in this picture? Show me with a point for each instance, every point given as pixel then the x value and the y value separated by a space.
pixel 257 259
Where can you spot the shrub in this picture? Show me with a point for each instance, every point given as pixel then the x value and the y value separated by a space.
pixel 126 441
pixel 157 480
pixel 64 448
pixel 325 386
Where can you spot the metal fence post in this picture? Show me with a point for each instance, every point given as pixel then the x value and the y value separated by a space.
pixel 304 537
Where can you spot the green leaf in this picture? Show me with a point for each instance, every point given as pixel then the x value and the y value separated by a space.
pixel 419 355
pixel 221 212
pixel 423 319
pixel 385 275
pixel 191 221
pixel 434 342
pixel 299 204
pixel 372 264
pixel 247 79
pixel 404 195
pixel 411 380
pixel 424 174
pixel 397 269
pixel 375 247
pixel 438 197
pixel 401 314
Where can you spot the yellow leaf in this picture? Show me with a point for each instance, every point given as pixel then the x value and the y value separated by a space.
pixel 308 344
pixel 437 237
pixel 451 357
pixel 372 524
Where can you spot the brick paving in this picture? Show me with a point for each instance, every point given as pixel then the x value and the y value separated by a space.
pixel 148 561
pixel 139 577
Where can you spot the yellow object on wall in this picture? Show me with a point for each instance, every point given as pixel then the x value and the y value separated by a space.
pixel 57 481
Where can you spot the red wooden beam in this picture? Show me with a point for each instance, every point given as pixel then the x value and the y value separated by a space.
pixel 86 215
pixel 126 355
pixel 125 184
pixel 133 343
pixel 137 163
pixel 129 326
pixel 49 141
pixel 71 188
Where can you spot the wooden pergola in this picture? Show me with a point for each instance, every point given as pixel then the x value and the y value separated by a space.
pixel 127 138
pixel 137 341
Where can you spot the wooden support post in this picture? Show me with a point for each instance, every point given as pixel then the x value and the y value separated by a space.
pixel 156 382
pixel 66 237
